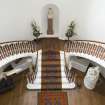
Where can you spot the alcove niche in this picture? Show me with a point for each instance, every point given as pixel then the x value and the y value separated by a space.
pixel 55 18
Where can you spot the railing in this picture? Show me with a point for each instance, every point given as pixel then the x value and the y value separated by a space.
pixel 16 47
pixel 69 74
pixel 93 48
pixel 96 49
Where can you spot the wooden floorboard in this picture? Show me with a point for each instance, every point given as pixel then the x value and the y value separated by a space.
pixel 79 96
pixel 21 96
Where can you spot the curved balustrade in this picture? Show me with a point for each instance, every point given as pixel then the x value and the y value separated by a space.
pixel 91 50
pixel 10 51
pixel 70 75
pixel 18 47
pixel 94 51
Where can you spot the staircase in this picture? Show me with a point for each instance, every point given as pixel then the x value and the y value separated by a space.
pixel 51 73
pixel 51 70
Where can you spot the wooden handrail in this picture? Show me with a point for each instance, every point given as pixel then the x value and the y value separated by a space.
pixel 99 42
pixel 9 42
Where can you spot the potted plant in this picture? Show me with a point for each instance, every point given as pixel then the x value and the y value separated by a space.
pixel 36 30
pixel 70 31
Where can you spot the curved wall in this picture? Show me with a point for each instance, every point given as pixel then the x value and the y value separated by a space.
pixel 16 16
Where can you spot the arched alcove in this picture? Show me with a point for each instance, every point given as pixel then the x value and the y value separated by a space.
pixel 55 18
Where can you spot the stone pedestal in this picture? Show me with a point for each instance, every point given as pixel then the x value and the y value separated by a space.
pixel 91 77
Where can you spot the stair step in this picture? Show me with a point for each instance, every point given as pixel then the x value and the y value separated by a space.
pixel 51 71
pixel 60 65
pixel 51 87
pixel 50 55
pixel 48 77
pixel 51 74
pixel 51 81
pixel 50 52
pixel 50 59
pixel 50 62
pixel 49 68
pixel 41 76
pixel 51 65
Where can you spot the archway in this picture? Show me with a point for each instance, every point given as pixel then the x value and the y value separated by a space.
pixel 55 20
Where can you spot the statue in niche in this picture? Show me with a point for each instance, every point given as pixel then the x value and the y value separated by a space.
pixel 50 21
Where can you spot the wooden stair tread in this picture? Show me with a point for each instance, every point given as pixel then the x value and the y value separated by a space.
pixel 50 59
pixel 50 52
pixel 51 63
pixel 51 70
pixel 51 74
pixel 51 86
pixel 50 81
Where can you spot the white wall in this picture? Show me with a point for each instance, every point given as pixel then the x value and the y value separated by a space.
pixel 16 16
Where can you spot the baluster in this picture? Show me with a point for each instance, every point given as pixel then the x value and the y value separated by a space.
pixel 90 47
pixel 14 50
pixel 22 47
pixel 25 47
pixel 85 47
pixel 76 47
pixel 102 55
pixel 9 48
pixel 0 52
pixel 82 47
pixel 79 47
pixel 97 50
pixel 4 52
pixel 93 49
